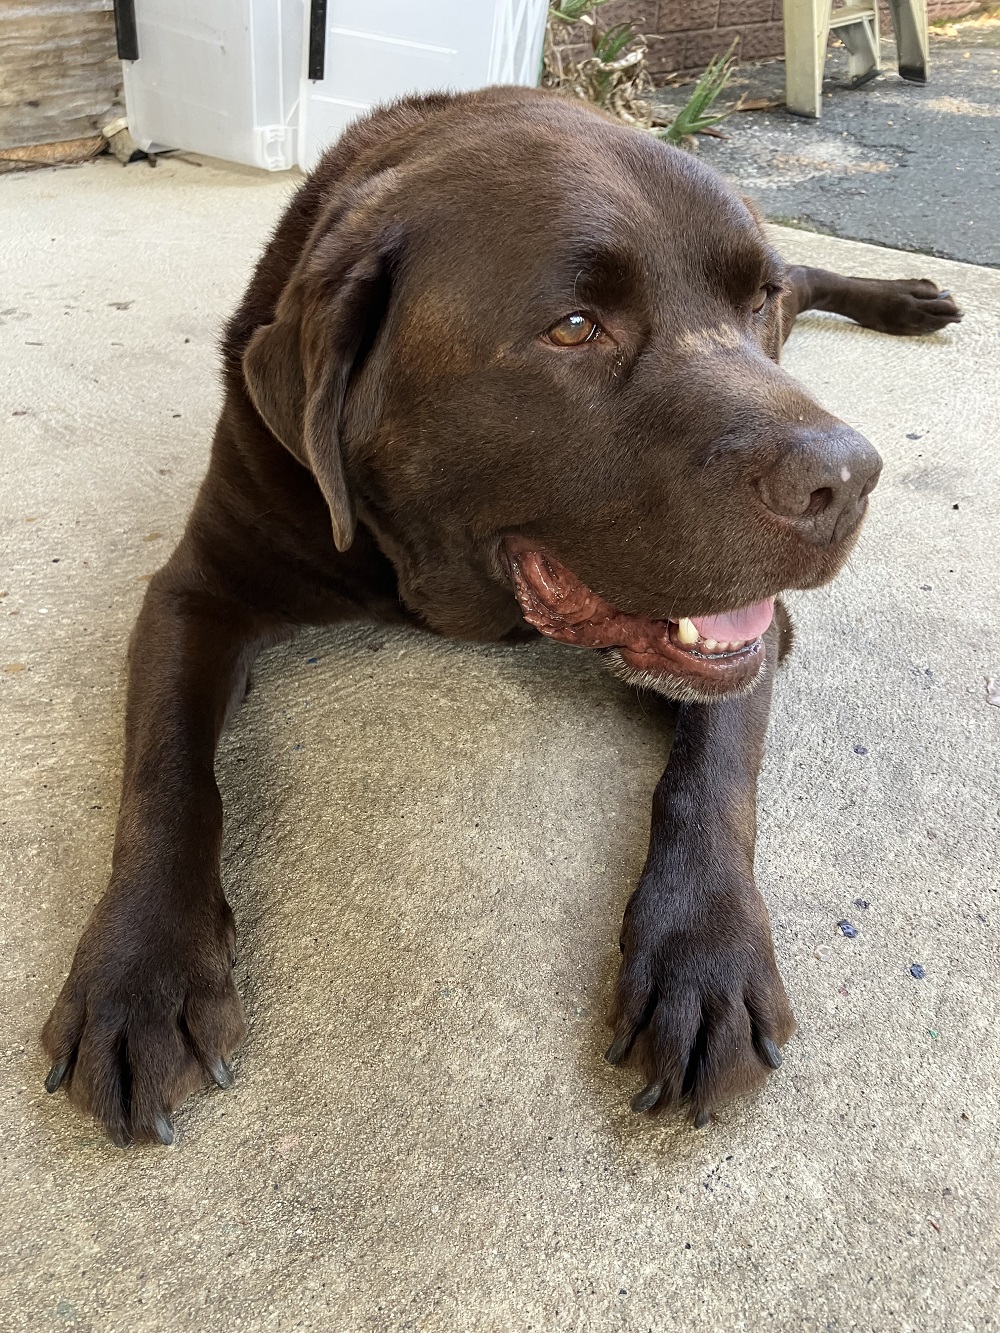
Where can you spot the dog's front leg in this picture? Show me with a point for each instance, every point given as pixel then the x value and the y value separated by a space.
pixel 149 1010
pixel 699 990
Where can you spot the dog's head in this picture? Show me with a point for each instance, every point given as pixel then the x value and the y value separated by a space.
pixel 535 353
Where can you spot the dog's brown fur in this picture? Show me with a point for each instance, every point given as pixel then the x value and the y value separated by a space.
pixel 394 412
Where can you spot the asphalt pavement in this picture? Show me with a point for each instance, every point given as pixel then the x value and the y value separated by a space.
pixel 911 166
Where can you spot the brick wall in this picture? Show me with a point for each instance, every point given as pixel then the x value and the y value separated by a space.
pixel 683 35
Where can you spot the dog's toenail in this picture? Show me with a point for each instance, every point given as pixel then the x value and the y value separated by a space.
pixel 770 1052
pixel 221 1073
pixel 56 1075
pixel 618 1048
pixel 647 1099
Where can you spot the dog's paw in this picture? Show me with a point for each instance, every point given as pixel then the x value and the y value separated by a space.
pixel 148 1014
pixel 909 307
pixel 699 995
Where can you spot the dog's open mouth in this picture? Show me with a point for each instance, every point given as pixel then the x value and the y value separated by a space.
pixel 708 656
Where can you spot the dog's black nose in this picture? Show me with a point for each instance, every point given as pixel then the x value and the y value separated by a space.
pixel 820 480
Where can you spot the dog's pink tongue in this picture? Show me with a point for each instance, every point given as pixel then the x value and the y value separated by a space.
pixel 749 622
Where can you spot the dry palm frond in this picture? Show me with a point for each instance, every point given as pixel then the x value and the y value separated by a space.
pixel 615 77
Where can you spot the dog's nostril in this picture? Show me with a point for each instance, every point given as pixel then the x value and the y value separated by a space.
pixel 818 476
pixel 819 500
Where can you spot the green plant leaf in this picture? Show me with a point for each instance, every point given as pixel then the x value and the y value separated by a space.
pixel 572 11
pixel 613 42
pixel 693 115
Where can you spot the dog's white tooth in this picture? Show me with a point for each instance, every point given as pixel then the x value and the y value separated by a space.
pixel 686 631
pixel 709 645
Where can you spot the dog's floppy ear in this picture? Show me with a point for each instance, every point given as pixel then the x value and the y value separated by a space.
pixel 297 369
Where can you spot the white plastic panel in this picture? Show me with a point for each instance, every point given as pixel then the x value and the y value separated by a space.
pixel 227 77
pixel 518 35
pixel 221 77
pixel 377 50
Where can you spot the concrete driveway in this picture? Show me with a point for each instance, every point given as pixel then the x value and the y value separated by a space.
pixel 428 850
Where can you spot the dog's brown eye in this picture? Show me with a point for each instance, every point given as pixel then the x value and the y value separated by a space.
pixel 760 300
pixel 573 330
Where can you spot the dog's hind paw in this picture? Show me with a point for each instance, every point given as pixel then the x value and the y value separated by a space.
pixel 908 307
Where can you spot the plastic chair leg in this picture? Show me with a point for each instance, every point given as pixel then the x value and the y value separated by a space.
pixel 861 40
pixel 909 20
pixel 807 27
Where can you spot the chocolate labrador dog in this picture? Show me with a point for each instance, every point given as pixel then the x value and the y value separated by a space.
pixel 506 368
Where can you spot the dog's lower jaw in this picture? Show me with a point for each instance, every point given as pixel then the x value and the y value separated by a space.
pixel 676 688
